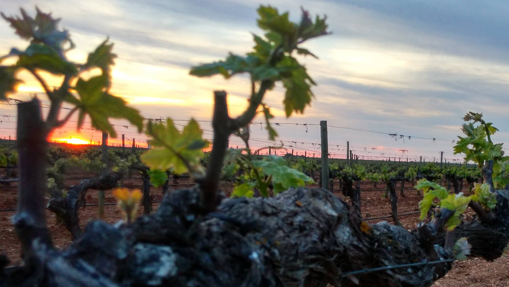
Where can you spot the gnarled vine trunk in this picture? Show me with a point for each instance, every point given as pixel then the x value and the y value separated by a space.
pixel 30 218
pixel 147 199
pixel 354 193
pixel 257 242
pixel 67 207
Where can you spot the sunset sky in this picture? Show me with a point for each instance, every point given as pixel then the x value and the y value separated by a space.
pixel 410 68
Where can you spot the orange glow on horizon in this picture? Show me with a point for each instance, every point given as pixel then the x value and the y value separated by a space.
pixel 72 141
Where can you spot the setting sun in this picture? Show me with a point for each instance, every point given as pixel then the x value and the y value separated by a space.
pixel 72 141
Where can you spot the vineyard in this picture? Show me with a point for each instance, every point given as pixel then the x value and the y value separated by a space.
pixel 186 211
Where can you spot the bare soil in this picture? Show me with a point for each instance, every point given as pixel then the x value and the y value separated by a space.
pixel 473 272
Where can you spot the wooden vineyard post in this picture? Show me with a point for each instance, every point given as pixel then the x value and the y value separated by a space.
pixel 270 150
pixel 134 146
pixel 441 159
pixel 146 200
pixel 123 145
pixel 104 159
pixel 347 152
pixel 325 154
pixel 394 201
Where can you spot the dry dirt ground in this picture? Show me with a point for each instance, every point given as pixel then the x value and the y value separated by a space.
pixel 472 272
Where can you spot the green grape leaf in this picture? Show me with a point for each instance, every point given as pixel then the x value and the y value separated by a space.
pixel 3 160
pixel 233 65
pixel 430 191
pixel 308 29
pixel 262 48
pixel 243 190
pixel 229 170
pixel 306 52
pixel 102 58
pixel 230 165
pixel 298 86
pixel 425 185
pixel 174 149
pixel 232 155
pixel 281 173
pixel 491 128
pixel 43 29
pixel 268 116
pixel 265 73
pixel 43 57
pixel 484 196
pixel 23 26
pixel 13 158
pixel 457 203
pixel 462 249
pixel 501 173
pixel 274 38
pixel 461 145
pixel 157 177
pixel 51 183
pixel 278 187
pixel 8 81
pixel 100 105
pixel 271 20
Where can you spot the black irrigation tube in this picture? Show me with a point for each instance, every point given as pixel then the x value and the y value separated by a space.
pixel 110 203
pixel 128 186
pixel 7 210
pixel 380 212
pixel 364 271
pixel 91 204
pixel 389 216
pixel 380 189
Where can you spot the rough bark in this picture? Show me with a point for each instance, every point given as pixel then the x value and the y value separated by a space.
pixel 166 186
pixel 221 123
pixel 354 193
pixel 391 185
pixel 456 185
pixel 255 242
pixel 402 189
pixel 30 219
pixel 147 199
pixel 67 208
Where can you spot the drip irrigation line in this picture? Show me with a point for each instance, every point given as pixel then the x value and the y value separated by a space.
pixel 365 271
pixel 91 204
pixel 389 216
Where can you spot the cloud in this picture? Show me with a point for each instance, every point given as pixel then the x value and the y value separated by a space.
pixel 410 67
